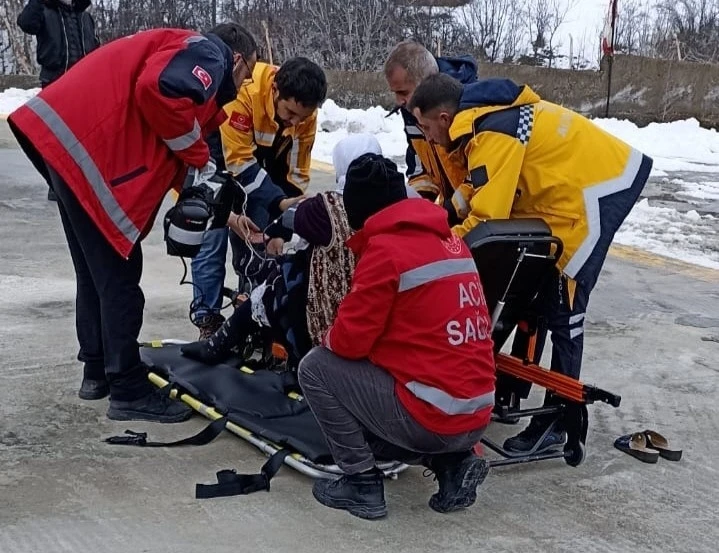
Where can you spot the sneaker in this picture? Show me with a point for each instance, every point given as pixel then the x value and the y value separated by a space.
pixel 209 324
pixel 157 406
pixel 540 436
pixel 92 389
pixel 458 475
pixel 362 495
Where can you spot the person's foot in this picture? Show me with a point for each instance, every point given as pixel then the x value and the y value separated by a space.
pixel 51 196
pixel 458 475
pixel 540 436
pixel 209 324
pixel 91 389
pixel 361 495
pixel 212 350
pixel 156 406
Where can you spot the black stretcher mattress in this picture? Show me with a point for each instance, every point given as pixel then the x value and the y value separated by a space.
pixel 257 401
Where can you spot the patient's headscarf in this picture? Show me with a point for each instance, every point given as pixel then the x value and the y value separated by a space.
pixel 350 148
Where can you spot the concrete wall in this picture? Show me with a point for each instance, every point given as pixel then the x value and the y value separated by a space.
pixel 643 90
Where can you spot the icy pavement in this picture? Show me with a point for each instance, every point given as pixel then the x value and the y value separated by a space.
pixel 652 335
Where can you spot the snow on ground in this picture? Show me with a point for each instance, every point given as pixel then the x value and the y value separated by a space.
pixel 13 98
pixel 685 158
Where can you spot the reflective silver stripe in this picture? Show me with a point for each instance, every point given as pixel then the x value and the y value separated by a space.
pixel 250 188
pixel 239 168
pixel 435 271
pixel 460 204
pixel 183 142
pixel 592 195
pixel 86 164
pixel 266 137
pixel 573 333
pixel 190 40
pixel 574 319
pixel 183 236
pixel 417 166
pixel 448 404
pixel 413 130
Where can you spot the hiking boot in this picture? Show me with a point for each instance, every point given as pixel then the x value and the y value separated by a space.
pixel 209 324
pixel 540 436
pixel 156 406
pixel 215 349
pixel 458 475
pixel 362 495
pixel 91 389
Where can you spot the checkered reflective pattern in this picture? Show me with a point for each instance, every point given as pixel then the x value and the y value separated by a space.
pixel 526 121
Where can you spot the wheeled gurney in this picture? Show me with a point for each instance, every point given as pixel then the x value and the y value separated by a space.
pixel 264 405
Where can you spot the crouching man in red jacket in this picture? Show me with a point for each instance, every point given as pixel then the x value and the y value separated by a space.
pixel 407 370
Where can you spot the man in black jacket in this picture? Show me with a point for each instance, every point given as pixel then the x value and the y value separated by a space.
pixel 65 34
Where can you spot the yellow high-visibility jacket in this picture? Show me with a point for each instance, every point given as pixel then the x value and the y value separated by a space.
pixel 527 157
pixel 255 147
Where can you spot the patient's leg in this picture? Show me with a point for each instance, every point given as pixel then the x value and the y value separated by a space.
pixel 218 347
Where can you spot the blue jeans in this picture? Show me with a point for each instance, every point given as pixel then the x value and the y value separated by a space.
pixel 208 273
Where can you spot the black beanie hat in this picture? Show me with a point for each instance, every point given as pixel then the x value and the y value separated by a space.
pixel 372 183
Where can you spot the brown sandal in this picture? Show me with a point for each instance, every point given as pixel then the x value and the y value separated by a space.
pixel 636 446
pixel 661 444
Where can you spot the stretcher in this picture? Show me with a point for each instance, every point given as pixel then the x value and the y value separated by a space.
pixel 263 404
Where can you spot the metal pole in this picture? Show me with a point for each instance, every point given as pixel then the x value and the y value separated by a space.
pixel 214 13
pixel 611 57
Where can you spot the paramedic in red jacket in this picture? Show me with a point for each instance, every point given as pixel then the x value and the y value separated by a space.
pixel 112 152
pixel 407 370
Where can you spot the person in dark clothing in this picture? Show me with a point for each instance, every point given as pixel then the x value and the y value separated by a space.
pixel 304 290
pixel 65 34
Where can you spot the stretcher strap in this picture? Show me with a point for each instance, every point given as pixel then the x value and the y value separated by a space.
pixel 205 436
pixel 230 483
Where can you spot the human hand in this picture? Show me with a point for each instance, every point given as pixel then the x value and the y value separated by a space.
pixel 289 202
pixel 242 226
pixel 275 246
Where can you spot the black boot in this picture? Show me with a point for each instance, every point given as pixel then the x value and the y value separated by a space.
pixel 93 389
pixel 459 475
pixel 156 406
pixel 94 382
pixel 218 347
pixel 362 495
pixel 543 434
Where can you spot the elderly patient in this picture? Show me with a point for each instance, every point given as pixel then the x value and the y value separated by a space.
pixel 406 371
pixel 300 294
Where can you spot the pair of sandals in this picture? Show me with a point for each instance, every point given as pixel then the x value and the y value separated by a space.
pixel 647 446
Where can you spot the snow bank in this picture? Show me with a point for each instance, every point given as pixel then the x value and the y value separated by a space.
pixel 13 98
pixel 680 146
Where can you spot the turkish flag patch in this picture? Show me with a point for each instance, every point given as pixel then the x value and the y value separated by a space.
pixel 203 76
pixel 240 122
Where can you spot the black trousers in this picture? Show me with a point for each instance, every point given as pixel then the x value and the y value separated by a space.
pixel 109 301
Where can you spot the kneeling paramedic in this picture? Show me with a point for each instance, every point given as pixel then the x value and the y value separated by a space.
pixel 112 153
pixel 406 371
pixel 526 157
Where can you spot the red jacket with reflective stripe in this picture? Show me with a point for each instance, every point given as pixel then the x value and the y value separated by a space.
pixel 122 125
pixel 416 308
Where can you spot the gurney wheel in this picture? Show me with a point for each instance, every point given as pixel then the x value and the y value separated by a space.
pixel 574 455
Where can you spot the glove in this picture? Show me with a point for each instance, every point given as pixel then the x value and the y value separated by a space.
pixel 185 224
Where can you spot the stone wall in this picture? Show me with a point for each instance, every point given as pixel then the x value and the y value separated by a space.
pixel 643 90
